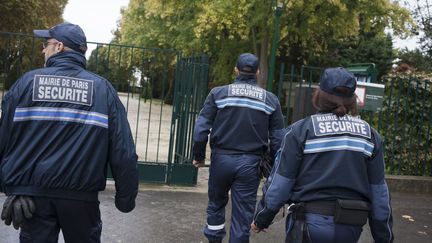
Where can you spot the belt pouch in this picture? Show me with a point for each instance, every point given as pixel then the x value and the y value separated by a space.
pixel 353 212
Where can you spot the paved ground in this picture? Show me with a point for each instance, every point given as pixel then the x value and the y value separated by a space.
pixel 177 215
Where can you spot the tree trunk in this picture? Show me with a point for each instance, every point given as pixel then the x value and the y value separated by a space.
pixel 263 56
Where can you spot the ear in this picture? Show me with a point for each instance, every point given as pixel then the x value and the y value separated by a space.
pixel 236 71
pixel 60 46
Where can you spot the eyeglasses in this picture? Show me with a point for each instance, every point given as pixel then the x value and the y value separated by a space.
pixel 45 44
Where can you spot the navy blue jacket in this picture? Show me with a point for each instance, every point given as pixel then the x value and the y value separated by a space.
pixel 325 157
pixel 242 117
pixel 60 129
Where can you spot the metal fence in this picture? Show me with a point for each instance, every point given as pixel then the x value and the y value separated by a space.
pixel 404 122
pixel 18 54
pixel 160 89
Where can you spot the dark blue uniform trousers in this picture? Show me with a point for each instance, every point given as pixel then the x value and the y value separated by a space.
pixel 322 229
pixel 238 173
pixel 79 221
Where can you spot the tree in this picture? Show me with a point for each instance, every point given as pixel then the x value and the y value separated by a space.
pixel 112 62
pixel 19 52
pixel 224 29
pixel 214 27
pixel 364 48
pixel 329 33
pixel 415 59
pixel 134 69
pixel 25 15
pixel 419 60
pixel 422 11
pixel 229 28
pixel 159 24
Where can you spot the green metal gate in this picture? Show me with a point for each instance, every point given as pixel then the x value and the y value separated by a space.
pixel 189 95
pixel 161 91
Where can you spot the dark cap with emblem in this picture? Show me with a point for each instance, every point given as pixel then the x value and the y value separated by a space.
pixel 70 35
pixel 332 78
pixel 247 63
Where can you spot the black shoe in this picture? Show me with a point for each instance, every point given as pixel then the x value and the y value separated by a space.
pixel 215 241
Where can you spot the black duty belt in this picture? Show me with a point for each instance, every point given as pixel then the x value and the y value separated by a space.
pixel 352 212
pixel 320 207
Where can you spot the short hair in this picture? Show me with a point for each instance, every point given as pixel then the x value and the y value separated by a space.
pixel 338 105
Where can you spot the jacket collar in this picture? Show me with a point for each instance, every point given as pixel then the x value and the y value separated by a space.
pixel 249 79
pixel 67 59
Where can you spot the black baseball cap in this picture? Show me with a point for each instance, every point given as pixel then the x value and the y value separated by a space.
pixel 70 35
pixel 247 63
pixel 338 77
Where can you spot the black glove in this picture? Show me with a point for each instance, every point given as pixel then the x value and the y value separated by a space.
pixel 17 209
pixel 125 204
pixel 265 165
pixel 6 214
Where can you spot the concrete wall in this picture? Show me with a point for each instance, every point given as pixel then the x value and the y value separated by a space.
pixel 411 184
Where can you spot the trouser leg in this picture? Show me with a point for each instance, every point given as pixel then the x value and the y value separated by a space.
pixel 43 227
pixel 322 229
pixel 79 220
pixel 220 179
pixel 243 194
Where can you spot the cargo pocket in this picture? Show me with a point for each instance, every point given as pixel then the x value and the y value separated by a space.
pixel 353 212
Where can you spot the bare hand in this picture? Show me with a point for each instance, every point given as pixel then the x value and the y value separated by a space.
pixel 255 228
pixel 198 164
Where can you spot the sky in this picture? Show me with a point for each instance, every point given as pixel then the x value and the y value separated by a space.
pixel 410 43
pixel 98 18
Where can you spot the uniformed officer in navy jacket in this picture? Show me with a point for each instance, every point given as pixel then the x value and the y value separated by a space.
pixel 330 169
pixel 61 128
pixel 243 118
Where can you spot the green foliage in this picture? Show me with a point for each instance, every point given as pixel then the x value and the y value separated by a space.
pixel 310 25
pixel 416 59
pixel 337 33
pixel 406 125
pixel 25 15
pixel 229 28
pixel 223 29
pixel 422 11
pixel 146 90
pixel 309 30
pixel 20 53
pixel 159 24
pixel 111 62
pixel 130 69
pixel 365 48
